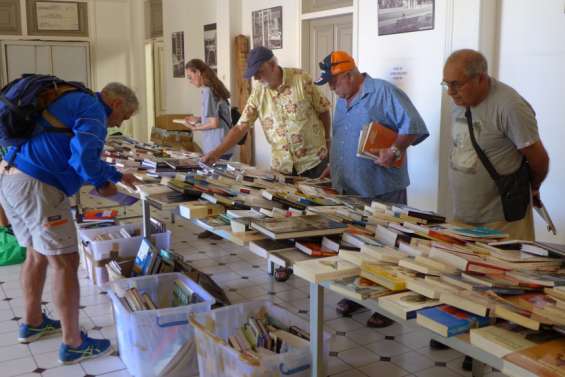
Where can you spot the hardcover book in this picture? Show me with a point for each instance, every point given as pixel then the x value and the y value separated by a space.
pixel 374 138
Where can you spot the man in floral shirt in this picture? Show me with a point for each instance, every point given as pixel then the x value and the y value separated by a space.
pixel 294 115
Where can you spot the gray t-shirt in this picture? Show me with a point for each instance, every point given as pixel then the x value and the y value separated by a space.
pixel 503 123
pixel 213 107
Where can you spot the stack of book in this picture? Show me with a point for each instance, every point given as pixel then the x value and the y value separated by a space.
pixel 260 337
pixel 134 300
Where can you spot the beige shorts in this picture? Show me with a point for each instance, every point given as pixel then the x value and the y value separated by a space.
pixel 40 214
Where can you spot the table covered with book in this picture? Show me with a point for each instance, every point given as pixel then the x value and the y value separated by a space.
pixel 500 301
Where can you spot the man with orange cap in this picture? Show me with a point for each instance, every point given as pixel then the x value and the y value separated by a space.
pixel 363 100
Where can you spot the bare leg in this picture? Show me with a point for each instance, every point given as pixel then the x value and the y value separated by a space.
pixel 32 279
pixel 3 219
pixel 66 295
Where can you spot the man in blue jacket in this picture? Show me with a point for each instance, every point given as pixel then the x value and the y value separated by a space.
pixel 35 183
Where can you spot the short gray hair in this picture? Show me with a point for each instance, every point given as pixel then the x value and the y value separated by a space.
pixel 474 63
pixel 116 89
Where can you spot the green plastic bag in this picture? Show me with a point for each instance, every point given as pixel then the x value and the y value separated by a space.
pixel 10 250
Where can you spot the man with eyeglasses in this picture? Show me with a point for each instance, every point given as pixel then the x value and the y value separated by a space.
pixel 505 128
pixel 294 115
pixel 363 99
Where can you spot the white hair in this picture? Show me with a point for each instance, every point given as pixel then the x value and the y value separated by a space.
pixel 118 90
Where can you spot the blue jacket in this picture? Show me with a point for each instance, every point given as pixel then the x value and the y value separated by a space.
pixel 68 161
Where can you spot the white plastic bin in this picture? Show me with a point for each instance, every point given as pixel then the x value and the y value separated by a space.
pixel 100 250
pixel 217 359
pixel 149 339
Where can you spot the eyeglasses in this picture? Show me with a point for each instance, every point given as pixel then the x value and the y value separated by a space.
pixel 455 85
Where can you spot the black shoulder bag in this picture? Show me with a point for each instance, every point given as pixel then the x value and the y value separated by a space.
pixel 514 189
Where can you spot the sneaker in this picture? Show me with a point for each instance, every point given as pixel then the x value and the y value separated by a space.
pixel 89 349
pixel 28 334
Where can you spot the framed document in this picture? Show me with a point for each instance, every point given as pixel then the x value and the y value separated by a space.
pixel 58 18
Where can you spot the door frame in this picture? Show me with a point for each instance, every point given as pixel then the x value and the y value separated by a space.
pixel 302 17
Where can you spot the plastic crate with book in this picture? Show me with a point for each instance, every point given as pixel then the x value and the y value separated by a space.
pixel 158 341
pixel 101 245
pixel 231 341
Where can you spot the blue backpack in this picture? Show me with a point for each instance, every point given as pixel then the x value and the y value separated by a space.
pixel 24 100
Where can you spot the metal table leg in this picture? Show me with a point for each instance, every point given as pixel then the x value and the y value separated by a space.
pixel 146 210
pixel 317 329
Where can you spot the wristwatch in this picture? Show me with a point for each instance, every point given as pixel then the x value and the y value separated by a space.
pixel 397 153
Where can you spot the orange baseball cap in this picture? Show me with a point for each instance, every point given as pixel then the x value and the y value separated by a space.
pixel 335 63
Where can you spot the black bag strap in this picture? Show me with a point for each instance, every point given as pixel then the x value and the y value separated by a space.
pixel 482 156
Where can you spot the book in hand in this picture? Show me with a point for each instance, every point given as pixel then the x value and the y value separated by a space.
pixel 184 122
pixel 296 227
pixel 543 360
pixel 449 321
pixel 373 139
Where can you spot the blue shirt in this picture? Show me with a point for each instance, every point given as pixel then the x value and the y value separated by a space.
pixel 68 161
pixel 382 102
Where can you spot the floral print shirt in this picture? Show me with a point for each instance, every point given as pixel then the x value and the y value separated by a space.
pixel 290 119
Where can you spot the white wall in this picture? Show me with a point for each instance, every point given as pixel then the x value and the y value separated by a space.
pixel 116 37
pixel 532 60
pixel 420 56
pixel 190 17
pixel 288 56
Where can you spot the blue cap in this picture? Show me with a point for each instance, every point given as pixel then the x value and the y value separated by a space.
pixel 256 57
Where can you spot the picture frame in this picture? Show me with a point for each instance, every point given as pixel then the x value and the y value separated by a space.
pixel 57 18
pixel 211 46
pixel 405 16
pixel 177 50
pixel 10 22
pixel 267 28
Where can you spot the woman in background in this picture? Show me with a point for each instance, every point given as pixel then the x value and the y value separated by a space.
pixel 215 116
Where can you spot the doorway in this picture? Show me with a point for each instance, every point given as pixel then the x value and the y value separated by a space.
pixel 322 36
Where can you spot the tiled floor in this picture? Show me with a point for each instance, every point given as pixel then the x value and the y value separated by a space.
pixel 355 350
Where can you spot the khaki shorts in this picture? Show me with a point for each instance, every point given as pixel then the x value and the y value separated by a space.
pixel 40 214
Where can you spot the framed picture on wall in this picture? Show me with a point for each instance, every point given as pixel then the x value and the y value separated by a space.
pixel 57 18
pixel 210 46
pixel 178 53
pixel 403 16
pixel 267 28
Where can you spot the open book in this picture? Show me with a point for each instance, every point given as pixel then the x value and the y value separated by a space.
pixel 184 122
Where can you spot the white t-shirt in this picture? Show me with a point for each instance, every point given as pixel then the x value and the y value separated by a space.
pixel 503 123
